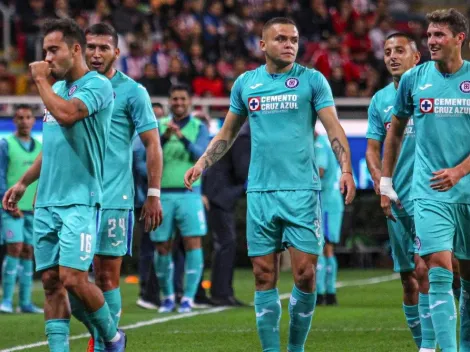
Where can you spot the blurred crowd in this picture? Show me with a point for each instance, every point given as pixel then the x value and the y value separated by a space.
pixel 208 43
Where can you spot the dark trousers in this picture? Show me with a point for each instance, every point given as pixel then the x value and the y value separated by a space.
pixel 149 289
pixel 222 225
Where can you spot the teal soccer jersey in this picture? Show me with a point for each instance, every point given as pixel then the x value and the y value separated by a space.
pixel 73 156
pixel 440 104
pixel 132 112
pixel 282 110
pixel 380 117
pixel 331 197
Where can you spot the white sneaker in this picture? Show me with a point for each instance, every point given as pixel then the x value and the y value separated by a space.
pixel 427 350
pixel 146 304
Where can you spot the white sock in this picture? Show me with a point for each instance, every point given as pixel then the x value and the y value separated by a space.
pixel 427 350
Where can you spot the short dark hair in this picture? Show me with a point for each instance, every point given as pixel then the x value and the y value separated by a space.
pixel 409 38
pixel 456 21
pixel 69 28
pixel 22 106
pixel 278 20
pixel 157 105
pixel 180 86
pixel 103 29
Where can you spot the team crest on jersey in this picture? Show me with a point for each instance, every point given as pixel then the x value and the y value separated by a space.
pixel 465 86
pixel 254 104
pixel 292 83
pixel 387 125
pixel 9 234
pixel 426 106
pixel 417 242
pixel 72 89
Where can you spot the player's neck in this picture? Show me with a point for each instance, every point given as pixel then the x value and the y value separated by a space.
pixel 396 82
pixel 77 72
pixel 23 138
pixel 450 66
pixel 110 74
pixel 272 68
pixel 179 118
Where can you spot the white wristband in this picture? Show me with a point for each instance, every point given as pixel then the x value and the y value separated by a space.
pixel 153 192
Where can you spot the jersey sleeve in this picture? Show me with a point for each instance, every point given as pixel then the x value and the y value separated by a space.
pixel 140 108
pixel 375 127
pixel 96 94
pixel 403 107
pixel 322 97
pixel 3 166
pixel 321 154
pixel 236 101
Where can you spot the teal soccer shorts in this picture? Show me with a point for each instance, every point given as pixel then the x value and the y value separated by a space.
pixel 402 240
pixel 280 219
pixel 442 227
pixel 183 210
pixel 65 236
pixel 332 222
pixel 115 232
pixel 17 230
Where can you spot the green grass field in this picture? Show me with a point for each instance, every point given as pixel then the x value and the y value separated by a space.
pixel 369 318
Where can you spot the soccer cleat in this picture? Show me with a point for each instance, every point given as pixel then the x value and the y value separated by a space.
pixel 146 304
pixel 118 346
pixel 321 300
pixel 331 299
pixel 6 307
pixel 91 345
pixel 30 309
pixel 167 306
pixel 185 307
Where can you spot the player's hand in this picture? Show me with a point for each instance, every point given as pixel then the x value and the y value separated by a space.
pixel 192 175
pixel 388 195
pixel 347 185
pixel 445 179
pixel 39 69
pixel 206 203
pixel 175 129
pixel 151 213
pixel 12 197
pixel 16 213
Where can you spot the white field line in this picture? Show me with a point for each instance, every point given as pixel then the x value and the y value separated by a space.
pixel 361 282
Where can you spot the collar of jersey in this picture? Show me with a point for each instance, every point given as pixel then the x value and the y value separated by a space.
pixel 278 75
pixel 460 71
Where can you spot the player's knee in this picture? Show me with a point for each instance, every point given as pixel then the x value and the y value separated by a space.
pixel 191 243
pixel 14 249
pixel 265 275
pixel 27 252
pixel 51 282
pixel 304 278
pixel 163 248
pixel 71 280
pixel 409 284
pixel 106 280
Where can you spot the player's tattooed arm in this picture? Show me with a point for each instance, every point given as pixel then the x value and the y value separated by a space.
pixel 339 151
pixel 222 141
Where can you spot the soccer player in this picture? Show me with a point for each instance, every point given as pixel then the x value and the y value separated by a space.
pixel 436 95
pixel 17 153
pixel 132 112
pixel 184 139
pixel 400 55
pixel 76 125
pixel 332 217
pixel 282 100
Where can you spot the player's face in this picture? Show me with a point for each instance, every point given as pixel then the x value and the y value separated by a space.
pixel 100 53
pixel 280 44
pixel 399 57
pixel 442 43
pixel 180 103
pixel 24 121
pixel 59 55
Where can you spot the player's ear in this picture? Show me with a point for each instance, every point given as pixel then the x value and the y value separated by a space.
pixel 417 55
pixel 117 52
